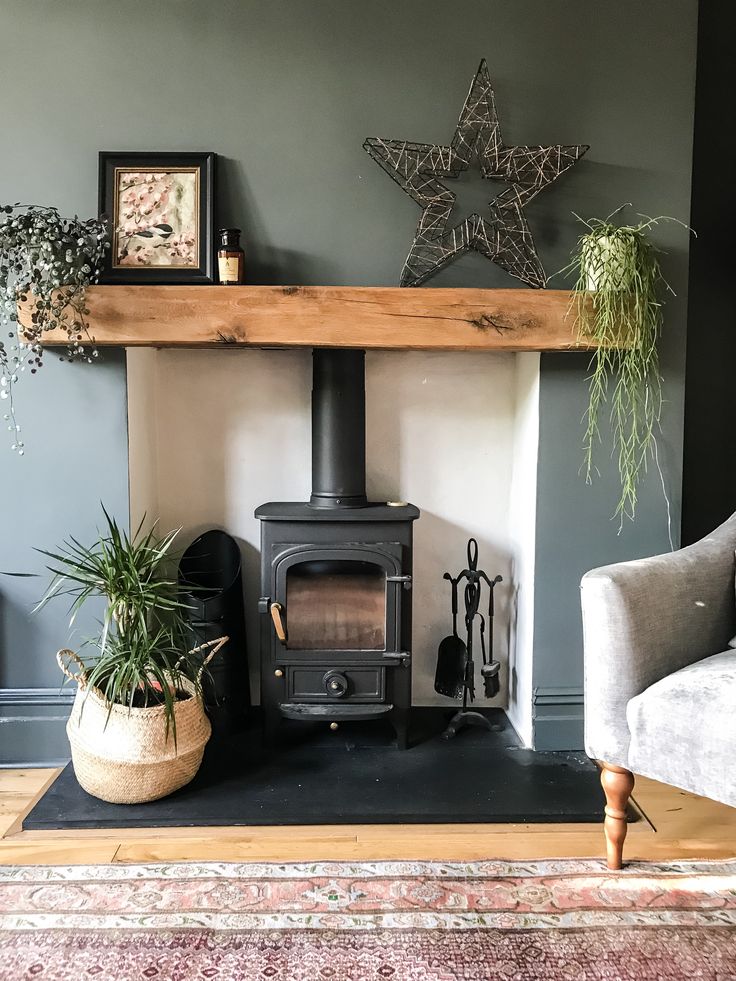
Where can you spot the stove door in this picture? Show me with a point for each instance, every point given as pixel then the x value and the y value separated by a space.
pixel 341 602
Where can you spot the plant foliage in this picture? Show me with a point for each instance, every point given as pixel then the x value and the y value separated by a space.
pixel 51 261
pixel 141 652
pixel 616 297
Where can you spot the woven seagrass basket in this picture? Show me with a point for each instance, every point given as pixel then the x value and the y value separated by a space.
pixel 125 755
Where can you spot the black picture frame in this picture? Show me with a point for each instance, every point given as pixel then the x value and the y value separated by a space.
pixel 111 164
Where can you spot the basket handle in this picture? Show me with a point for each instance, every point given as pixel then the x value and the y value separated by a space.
pixel 216 645
pixel 66 655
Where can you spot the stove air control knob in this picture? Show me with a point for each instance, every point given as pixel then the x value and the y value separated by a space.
pixel 278 673
pixel 334 726
pixel 336 684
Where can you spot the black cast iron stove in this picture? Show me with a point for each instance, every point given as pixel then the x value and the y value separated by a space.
pixel 336 577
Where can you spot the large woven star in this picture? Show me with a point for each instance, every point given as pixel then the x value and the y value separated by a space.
pixel 503 235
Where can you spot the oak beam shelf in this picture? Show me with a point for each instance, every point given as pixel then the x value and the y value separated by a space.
pixel 328 316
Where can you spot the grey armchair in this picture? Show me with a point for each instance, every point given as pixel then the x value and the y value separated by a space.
pixel 660 677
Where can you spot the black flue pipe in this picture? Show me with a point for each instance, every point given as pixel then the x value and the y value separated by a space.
pixel 338 428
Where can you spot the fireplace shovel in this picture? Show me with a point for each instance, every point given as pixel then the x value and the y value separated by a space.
pixel 451 657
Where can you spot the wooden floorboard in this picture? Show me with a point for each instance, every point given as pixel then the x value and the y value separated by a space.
pixel 669 824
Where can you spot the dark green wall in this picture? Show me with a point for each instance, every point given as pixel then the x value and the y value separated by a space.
pixel 642 96
pixel 709 478
pixel 286 91
pixel 73 420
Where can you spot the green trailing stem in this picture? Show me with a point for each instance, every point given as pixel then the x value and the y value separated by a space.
pixel 49 262
pixel 616 299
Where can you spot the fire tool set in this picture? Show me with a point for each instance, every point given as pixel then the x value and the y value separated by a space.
pixel 455 676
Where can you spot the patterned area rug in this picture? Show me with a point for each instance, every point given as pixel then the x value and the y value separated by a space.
pixel 388 921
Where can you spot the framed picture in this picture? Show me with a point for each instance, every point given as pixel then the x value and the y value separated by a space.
pixel 160 207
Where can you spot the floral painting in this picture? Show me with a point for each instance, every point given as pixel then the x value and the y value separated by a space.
pixel 156 218
pixel 159 208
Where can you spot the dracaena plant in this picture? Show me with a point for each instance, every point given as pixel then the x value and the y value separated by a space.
pixel 141 654
pixel 617 299
pixel 49 261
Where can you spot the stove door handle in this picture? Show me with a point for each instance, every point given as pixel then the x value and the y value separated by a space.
pixel 396 658
pixel 278 622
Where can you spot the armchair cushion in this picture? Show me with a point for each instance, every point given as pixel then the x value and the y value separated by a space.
pixel 683 728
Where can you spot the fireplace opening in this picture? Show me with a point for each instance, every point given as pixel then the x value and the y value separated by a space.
pixel 336 606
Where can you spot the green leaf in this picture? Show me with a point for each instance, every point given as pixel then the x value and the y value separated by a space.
pixel 141 642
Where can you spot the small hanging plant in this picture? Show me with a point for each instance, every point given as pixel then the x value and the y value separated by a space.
pixel 616 298
pixel 50 261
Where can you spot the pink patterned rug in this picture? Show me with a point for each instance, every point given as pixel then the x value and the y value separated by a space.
pixel 382 921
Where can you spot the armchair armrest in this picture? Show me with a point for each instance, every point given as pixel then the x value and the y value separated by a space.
pixel 646 619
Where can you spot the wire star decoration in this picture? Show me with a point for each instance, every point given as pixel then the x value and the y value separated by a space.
pixel 503 235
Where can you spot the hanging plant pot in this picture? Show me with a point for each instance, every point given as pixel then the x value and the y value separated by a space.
pixel 605 260
pixel 617 303
pixel 127 755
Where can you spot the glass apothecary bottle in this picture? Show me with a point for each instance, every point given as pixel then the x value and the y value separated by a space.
pixel 230 258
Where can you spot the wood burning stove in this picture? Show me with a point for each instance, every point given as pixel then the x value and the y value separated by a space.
pixel 336 577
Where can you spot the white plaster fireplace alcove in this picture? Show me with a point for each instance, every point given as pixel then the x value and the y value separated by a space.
pixel 214 434
pixel 219 383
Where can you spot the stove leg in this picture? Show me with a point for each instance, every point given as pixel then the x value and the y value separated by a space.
pixel 400 721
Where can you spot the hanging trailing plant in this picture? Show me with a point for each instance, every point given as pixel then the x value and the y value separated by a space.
pixel 616 298
pixel 50 261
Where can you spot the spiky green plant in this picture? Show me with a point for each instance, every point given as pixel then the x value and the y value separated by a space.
pixel 141 653
pixel 616 299
pixel 142 668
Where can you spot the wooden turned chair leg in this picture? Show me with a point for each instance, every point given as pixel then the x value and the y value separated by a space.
pixel 617 784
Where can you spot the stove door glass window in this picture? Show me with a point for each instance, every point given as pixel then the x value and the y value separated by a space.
pixel 336 605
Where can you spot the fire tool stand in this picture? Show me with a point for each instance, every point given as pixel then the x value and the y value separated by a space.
pixel 473 577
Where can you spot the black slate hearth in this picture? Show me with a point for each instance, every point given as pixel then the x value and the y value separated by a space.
pixel 354 776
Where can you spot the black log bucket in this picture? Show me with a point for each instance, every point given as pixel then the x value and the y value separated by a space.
pixel 211 585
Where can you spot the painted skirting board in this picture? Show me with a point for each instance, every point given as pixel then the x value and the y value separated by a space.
pixel 557 718
pixel 32 726
pixel 33 720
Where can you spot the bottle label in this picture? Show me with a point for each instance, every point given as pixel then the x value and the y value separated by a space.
pixel 228 267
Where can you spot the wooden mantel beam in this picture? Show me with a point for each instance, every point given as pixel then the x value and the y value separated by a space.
pixel 329 316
